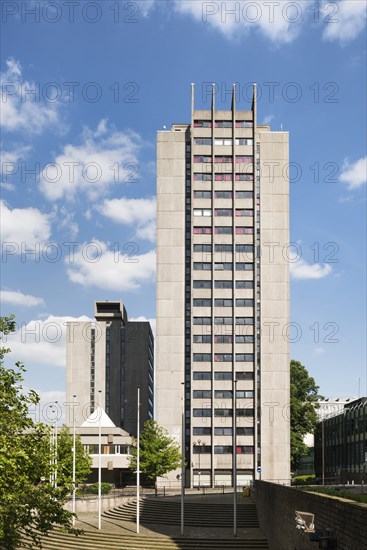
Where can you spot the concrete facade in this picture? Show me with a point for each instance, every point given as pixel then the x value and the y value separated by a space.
pixel 223 295
pixel 112 356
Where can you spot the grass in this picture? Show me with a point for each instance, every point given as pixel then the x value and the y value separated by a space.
pixel 338 493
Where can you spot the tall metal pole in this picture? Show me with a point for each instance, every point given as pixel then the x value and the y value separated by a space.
pixel 183 464
pixel 55 475
pixel 138 465
pixel 100 463
pixel 234 461
pixel 52 457
pixel 322 452
pixel 74 458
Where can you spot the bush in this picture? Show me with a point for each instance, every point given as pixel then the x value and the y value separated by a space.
pixel 92 489
pixel 304 480
pixel 336 492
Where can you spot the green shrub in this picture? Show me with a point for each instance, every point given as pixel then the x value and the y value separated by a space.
pixel 304 480
pixel 336 492
pixel 92 489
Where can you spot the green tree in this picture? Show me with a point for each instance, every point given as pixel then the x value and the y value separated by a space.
pixel 29 504
pixel 83 460
pixel 304 402
pixel 159 452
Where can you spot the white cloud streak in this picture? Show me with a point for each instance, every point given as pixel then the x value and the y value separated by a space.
pixel 17 298
pixel 344 20
pixel 355 174
pixel 138 212
pixel 24 225
pixel 303 270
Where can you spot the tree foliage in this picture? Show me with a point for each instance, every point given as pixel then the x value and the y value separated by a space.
pixel 304 402
pixel 159 452
pixel 29 503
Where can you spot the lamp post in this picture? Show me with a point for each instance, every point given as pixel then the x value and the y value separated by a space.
pixel 138 464
pixel 99 463
pixel 74 458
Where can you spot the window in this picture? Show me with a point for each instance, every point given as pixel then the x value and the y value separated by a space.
pixel 223 412
pixel 223 339
pixel 202 266
pixel 244 302
pixel 222 449
pixel 202 141
pixel 244 177
pixel 202 194
pixel 202 247
pixel 244 450
pixel 223 302
pixel 223 320
pixel 219 230
pixel 202 412
pixel 223 141
pixel 202 123
pixel 202 339
pixel 244 320
pixel 223 266
pixel 244 248
pixel 202 230
pixel 202 449
pixel 223 431
pixel 202 284
pixel 223 177
pixel 199 176
pixel 243 212
pixel 223 248
pixel 245 412
pixel 202 212
pixel 202 158
pixel 223 284
pixel 223 357
pixel 244 266
pixel 223 159
pixel 222 375
pixel 202 357
pixel 244 159
pixel 244 124
pixel 202 302
pixel 244 194
pixel 223 194
pixel 202 320
pixel 223 124
pixel 244 141
pixel 241 394
pixel 244 230
pixel 245 357
pixel 240 339
pixel 244 284
pixel 245 431
pixel 223 394
pixel 201 431
pixel 223 212
pixel 197 375
pixel 202 394
pixel 244 375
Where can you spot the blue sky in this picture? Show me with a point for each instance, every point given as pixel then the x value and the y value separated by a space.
pixel 106 78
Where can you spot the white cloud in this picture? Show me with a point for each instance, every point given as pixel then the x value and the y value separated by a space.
pixel 12 157
pixel 268 119
pixel 303 270
pixel 21 110
pixel 355 174
pixel 146 6
pixel 17 298
pixel 99 265
pixel 138 212
pixel 272 19
pixel 344 20
pixel 42 341
pixel 106 157
pixel 66 221
pixel 24 226
pixel 319 351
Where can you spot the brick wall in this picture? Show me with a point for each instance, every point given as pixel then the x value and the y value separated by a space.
pixel 276 506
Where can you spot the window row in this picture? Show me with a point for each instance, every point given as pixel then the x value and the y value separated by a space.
pixel 222 339
pixel 223 302
pixel 222 375
pixel 223 320
pixel 223 357
pixel 223 230
pixel 205 176
pixel 207 412
pixel 223 266
pixel 223 248
pixel 223 431
pixel 224 159
pixel 223 124
pixel 223 194
pixel 222 394
pixel 223 284
pixel 223 449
